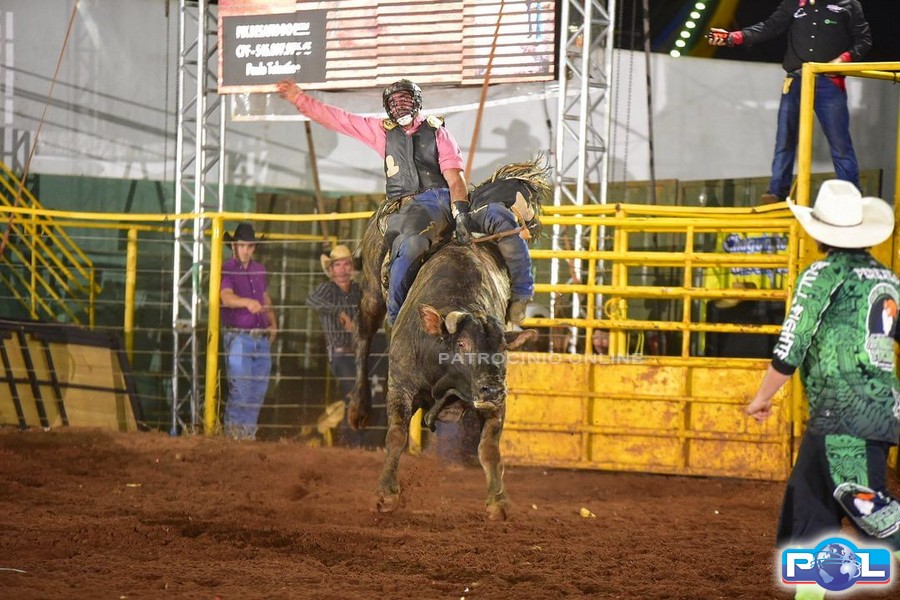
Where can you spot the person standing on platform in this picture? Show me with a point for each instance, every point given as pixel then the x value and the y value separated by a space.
pixel 827 31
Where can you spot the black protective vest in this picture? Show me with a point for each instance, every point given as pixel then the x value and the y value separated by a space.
pixel 411 162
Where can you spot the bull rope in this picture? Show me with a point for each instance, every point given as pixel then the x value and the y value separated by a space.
pixel 499 236
pixel 40 126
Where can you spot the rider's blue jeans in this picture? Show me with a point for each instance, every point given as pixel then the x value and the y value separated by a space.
pixel 496 218
pixel 834 117
pixel 410 245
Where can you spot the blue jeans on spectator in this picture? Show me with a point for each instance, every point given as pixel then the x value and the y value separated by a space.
pixel 343 367
pixel 834 117
pixel 249 365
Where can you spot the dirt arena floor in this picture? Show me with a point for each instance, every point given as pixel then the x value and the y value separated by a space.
pixel 97 515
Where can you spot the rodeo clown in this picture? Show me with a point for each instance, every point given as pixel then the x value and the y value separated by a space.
pixel 840 332
pixel 423 168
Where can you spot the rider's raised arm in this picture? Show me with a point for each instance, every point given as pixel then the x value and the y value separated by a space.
pixel 368 130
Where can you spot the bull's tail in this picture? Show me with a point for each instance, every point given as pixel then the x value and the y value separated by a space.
pixel 530 178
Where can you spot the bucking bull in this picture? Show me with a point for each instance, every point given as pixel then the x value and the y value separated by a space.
pixel 448 345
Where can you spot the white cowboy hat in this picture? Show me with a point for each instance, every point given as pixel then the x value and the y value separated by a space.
pixel 842 218
pixel 339 252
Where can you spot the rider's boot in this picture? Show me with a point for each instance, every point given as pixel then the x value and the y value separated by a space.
pixel 521 280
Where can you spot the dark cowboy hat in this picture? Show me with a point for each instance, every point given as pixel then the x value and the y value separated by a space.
pixel 242 233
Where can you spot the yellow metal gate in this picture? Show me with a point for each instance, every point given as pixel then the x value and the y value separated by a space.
pixel 680 412
pixel 649 416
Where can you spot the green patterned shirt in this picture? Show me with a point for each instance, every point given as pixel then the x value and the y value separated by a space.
pixel 840 333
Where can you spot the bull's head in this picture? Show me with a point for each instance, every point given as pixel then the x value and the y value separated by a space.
pixel 472 353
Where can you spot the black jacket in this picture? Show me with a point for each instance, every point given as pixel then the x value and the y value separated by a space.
pixel 817 32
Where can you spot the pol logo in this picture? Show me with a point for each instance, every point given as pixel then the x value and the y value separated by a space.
pixel 835 564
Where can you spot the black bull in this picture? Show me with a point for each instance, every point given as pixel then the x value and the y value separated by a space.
pixel 527 179
pixel 447 353
pixel 448 347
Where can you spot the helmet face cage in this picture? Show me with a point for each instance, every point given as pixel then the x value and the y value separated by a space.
pixel 403 85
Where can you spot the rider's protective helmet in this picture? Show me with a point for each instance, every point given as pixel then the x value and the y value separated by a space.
pixel 398 107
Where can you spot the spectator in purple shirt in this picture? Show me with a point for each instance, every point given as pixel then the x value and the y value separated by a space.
pixel 249 330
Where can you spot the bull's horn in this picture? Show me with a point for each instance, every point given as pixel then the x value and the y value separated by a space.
pixel 452 320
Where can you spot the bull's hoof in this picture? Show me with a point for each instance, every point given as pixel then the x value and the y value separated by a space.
pixel 498 511
pixel 388 503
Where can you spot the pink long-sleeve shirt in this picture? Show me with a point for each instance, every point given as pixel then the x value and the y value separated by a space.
pixel 370 132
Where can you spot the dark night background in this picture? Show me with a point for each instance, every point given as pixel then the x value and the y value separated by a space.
pixel 667 16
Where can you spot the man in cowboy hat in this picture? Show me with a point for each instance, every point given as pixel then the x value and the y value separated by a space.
pixel 337 302
pixel 249 330
pixel 846 360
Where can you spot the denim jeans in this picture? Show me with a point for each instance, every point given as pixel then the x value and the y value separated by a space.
pixel 249 365
pixel 343 367
pixel 495 218
pixel 834 117
pixel 408 243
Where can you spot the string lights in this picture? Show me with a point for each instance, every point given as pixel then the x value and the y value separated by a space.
pixel 687 37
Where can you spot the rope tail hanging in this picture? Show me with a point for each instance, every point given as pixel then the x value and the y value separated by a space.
pixel 484 89
pixel 37 133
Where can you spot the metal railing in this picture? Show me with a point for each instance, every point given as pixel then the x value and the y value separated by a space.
pixel 47 272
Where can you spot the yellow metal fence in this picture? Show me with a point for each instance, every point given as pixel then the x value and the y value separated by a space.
pixel 678 413
pixel 46 271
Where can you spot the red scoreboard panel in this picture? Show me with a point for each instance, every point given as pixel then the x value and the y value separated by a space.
pixel 371 43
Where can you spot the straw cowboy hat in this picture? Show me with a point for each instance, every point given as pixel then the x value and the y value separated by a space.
pixel 842 218
pixel 242 233
pixel 339 252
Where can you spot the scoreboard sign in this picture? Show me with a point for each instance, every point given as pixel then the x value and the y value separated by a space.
pixel 370 43
pixel 267 48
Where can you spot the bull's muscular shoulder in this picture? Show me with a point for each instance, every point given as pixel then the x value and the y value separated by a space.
pixel 464 278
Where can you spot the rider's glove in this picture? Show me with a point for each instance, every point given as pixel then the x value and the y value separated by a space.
pixel 460 210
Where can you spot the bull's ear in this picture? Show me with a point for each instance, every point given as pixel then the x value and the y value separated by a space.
pixel 432 320
pixel 453 319
pixel 516 339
